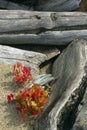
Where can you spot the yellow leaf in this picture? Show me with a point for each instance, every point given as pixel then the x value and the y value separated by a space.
pixel 33 104
pixel 46 93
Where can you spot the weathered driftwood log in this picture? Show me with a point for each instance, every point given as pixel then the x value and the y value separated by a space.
pixel 81 121
pixel 5 4
pixel 14 21
pixel 57 5
pixel 68 89
pixel 47 38
pixel 23 27
pixel 31 59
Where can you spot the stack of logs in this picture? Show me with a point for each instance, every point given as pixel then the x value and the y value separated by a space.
pixel 67 29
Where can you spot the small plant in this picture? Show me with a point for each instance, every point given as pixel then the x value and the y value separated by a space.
pixel 34 96
pixel 30 101
pixel 22 73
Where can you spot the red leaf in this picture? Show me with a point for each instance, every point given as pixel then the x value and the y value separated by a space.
pixel 18 107
pixel 23 116
pixel 22 73
pixel 36 112
pixel 10 98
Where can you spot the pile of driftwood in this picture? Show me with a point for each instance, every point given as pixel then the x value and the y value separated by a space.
pixel 44 28
pixel 50 29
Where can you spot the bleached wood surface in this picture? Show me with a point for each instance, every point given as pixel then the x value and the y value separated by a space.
pixel 44 28
pixel 31 59
pixel 68 89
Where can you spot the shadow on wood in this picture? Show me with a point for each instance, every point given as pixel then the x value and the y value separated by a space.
pixel 57 5
pixel 69 69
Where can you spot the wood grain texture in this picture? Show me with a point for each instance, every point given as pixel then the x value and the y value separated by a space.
pixel 67 90
pixel 47 38
pixel 31 59
pixel 47 28
pixel 57 5
pixel 14 21
pixel 81 121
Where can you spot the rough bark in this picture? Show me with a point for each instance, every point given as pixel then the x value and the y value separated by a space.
pixel 68 89
pixel 23 27
pixel 57 5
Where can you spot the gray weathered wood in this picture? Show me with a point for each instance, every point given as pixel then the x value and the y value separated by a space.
pixel 23 27
pixel 4 4
pixel 31 22
pixel 57 5
pixel 47 38
pixel 68 89
pixel 81 121
pixel 31 59
pixel 48 5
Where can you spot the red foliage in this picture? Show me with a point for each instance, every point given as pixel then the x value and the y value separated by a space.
pixel 10 97
pixel 31 101
pixel 21 73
